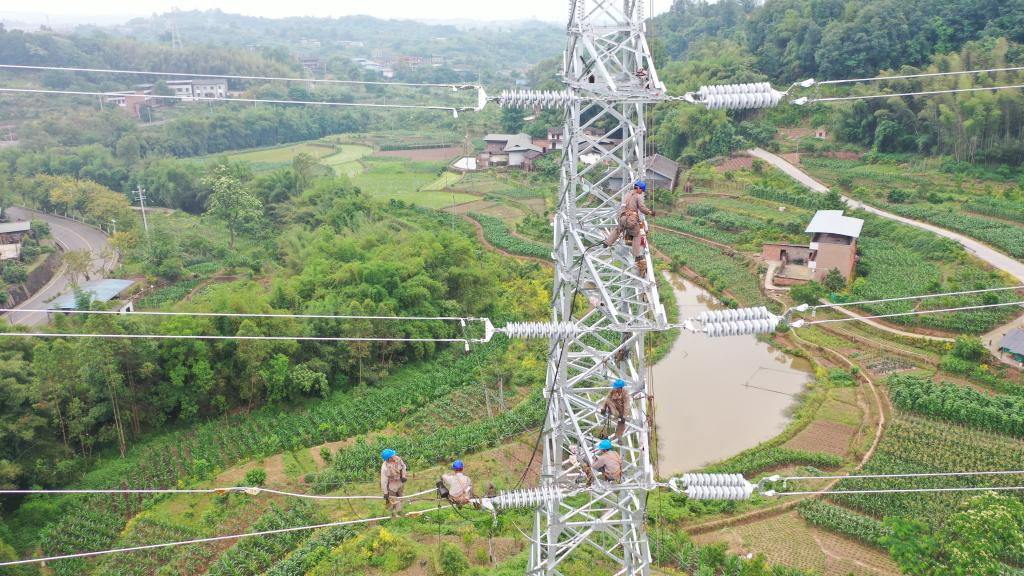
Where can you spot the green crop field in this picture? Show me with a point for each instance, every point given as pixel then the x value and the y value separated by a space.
pixel 283 153
pixel 916 444
pixel 389 178
pixel 444 181
pixel 725 273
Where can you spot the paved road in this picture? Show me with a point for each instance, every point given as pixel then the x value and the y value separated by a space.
pixel 983 251
pixel 70 235
pixel 995 258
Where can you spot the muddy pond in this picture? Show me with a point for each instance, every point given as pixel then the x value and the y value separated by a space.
pixel 715 397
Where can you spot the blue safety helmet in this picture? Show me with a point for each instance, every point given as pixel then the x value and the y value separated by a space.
pixel 458 465
pixel 620 383
pixel 605 444
pixel 641 185
pixel 387 453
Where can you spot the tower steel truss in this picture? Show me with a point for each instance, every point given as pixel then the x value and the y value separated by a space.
pixel 610 78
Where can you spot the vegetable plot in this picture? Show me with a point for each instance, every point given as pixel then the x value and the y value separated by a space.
pixel 498 234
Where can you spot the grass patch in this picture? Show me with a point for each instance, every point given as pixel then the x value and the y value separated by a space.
pixel 389 178
pixel 444 181
pixel 298 463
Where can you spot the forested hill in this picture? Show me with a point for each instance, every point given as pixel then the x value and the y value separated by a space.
pixel 100 50
pixel 796 39
pixel 511 45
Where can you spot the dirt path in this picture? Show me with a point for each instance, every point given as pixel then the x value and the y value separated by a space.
pixel 489 246
pixel 890 329
pixel 887 345
pixel 982 251
pixel 993 257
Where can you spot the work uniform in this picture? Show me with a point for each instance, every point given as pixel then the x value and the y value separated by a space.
pixel 393 475
pixel 616 405
pixel 629 221
pixel 460 487
pixel 609 464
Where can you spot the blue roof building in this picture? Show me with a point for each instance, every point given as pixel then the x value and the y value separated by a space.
pixel 98 290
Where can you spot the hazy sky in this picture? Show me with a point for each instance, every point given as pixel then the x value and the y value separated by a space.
pixel 552 10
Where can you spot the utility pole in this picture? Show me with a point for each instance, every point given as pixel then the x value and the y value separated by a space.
pixel 140 193
pixel 609 79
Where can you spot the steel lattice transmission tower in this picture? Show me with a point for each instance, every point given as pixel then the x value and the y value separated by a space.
pixel 610 78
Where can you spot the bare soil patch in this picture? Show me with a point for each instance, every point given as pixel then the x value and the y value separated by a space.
pixel 481 206
pixel 735 163
pixel 849 556
pixel 795 133
pixel 332 446
pixel 273 466
pixel 792 158
pixel 821 436
pixel 424 154
pixel 842 155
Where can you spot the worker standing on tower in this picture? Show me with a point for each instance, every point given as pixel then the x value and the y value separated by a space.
pixel 457 487
pixel 629 224
pixel 393 475
pixel 616 405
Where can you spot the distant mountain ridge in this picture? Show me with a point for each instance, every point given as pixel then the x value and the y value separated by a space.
pixel 510 44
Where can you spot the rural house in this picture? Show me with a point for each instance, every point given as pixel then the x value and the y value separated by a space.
pixel 513 150
pixel 833 245
pixel 11 234
pixel 661 174
pixel 1013 344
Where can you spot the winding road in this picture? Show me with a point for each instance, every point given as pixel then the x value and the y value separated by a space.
pixel 983 251
pixel 993 257
pixel 71 235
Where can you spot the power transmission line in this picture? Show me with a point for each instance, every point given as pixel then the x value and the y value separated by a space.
pixel 241 315
pixel 452 109
pixel 250 490
pixel 811 82
pixel 805 100
pixel 208 539
pixel 799 323
pixel 237 77
pixel 892 491
pixel 924 297
pixel 230 337
pixel 906 475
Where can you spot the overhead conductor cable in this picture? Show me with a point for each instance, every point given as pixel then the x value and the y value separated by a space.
pixel 453 109
pixel 812 82
pixel 806 100
pixel 208 539
pixel 454 86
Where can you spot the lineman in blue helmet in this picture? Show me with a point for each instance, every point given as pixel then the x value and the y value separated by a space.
pixel 616 405
pixel 629 223
pixel 458 487
pixel 608 461
pixel 393 476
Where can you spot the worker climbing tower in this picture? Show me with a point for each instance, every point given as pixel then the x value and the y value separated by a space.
pixel 605 301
